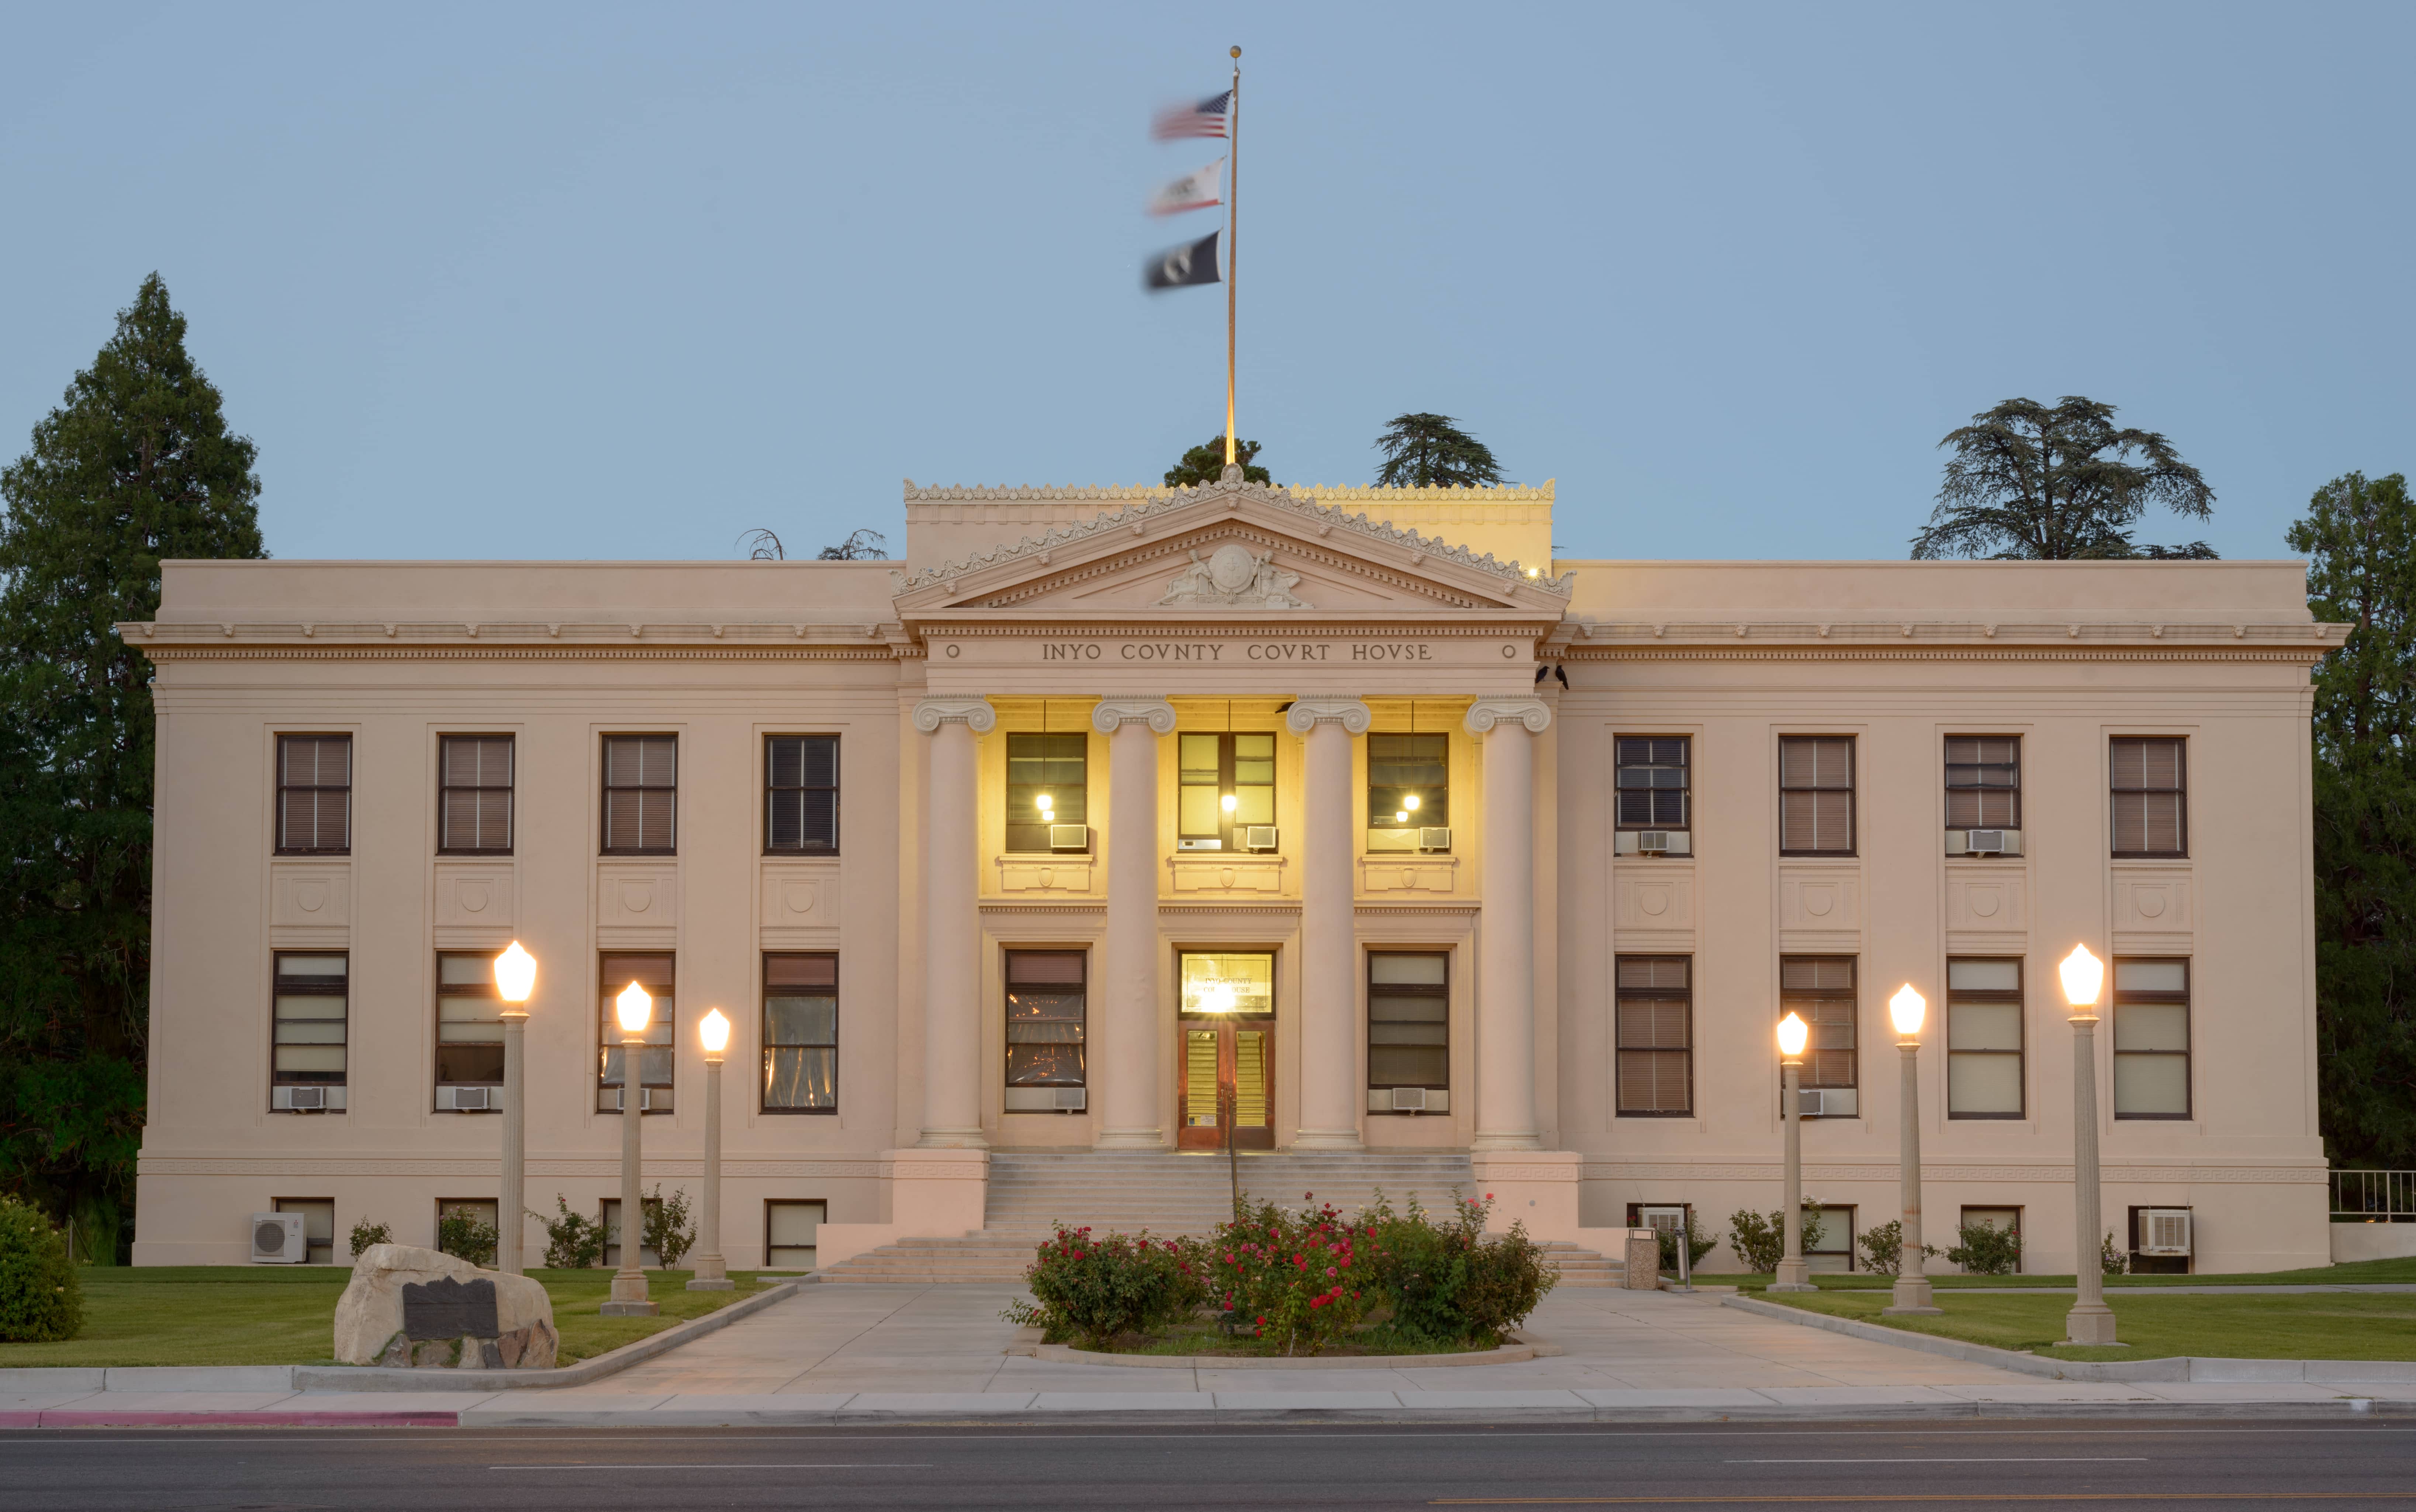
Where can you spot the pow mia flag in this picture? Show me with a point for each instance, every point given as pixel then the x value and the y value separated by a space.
pixel 1181 266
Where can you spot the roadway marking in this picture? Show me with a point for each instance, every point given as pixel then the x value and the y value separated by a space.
pixel 702 1464
pixel 1987 1459
pixel 1848 1496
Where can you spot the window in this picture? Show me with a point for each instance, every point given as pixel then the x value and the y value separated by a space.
pixel 1656 1072
pixel 1984 782
pixel 801 773
pixel 474 807
pixel 1831 1248
pixel 1409 1019
pixel 2151 1040
pixel 609 1216
pixel 1045 1020
pixel 789 1233
pixel 309 1038
pixel 314 794
pixel 1815 795
pixel 1653 782
pixel 1984 1039
pixel 641 791
pixel 1820 989
pixel 800 1034
pixel 1228 781
pixel 318 1226
pixel 2150 817
pixel 654 973
pixel 469 1031
pixel 1048 781
pixel 1409 790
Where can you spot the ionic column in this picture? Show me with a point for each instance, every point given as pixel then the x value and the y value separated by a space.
pixel 1330 1090
pixel 952 1037
pixel 1124 1058
pixel 1505 952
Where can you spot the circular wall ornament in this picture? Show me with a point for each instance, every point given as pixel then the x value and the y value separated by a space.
pixel 952 650
pixel 799 897
pixel 1233 568
pixel 2149 902
pixel 637 897
pixel 310 896
pixel 474 897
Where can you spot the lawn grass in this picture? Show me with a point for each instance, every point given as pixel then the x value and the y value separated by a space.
pixel 2362 1273
pixel 286 1314
pixel 2312 1326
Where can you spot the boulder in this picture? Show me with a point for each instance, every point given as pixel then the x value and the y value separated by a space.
pixel 407 1306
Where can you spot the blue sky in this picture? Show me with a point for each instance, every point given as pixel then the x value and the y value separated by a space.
pixel 613 281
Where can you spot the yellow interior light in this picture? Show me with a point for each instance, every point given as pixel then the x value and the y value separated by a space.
pixel 1229 802
pixel 1400 816
pixel 1410 802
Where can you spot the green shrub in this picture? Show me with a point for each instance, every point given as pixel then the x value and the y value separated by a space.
pixel 1299 1279
pixel 41 1298
pixel 1760 1239
pixel 573 1242
pixel 1884 1247
pixel 668 1232
pixel 1987 1250
pixel 1094 1289
pixel 2111 1260
pixel 365 1234
pixel 459 1231
pixel 1446 1280
pixel 1698 1245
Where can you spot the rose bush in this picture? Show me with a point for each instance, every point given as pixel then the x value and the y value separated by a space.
pixel 1297 1279
pixel 1095 1287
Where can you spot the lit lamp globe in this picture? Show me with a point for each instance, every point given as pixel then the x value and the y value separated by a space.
pixel 715 1031
pixel 1906 1008
pixel 635 1008
pixel 2084 978
pixel 515 974
pixel 1793 1033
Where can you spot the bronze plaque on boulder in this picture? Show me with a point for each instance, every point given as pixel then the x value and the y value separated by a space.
pixel 447 1308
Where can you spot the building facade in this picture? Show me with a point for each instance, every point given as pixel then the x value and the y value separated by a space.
pixel 1117 818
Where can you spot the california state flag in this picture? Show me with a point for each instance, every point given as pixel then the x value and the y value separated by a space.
pixel 1195 191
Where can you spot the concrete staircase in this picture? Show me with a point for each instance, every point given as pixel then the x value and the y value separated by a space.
pixel 1170 1194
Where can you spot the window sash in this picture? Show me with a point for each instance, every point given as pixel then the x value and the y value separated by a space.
pixel 1986 1040
pixel 2153 1041
pixel 1400 766
pixel 801 793
pixel 1409 1021
pixel 1655 1037
pixel 469 1020
pixel 657 971
pixel 641 795
pixel 800 1032
pixel 1815 795
pixel 309 1020
pixel 1821 990
pixel 789 1229
pixel 474 795
pixel 1057 765
pixel 2150 795
pixel 1243 766
pixel 314 794
pixel 1984 782
pixel 1652 780
pixel 1046 1017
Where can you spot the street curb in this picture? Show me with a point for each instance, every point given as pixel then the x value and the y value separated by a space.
pixel 373 1378
pixel 67 1417
pixel 2206 1368
pixel 1027 1344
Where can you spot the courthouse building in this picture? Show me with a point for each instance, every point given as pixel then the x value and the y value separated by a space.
pixel 1345 822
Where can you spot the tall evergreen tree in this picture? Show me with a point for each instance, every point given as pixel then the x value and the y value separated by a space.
pixel 135 466
pixel 2360 539
pixel 2032 483
pixel 1432 451
pixel 1206 464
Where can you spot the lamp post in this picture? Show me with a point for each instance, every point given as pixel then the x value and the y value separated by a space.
pixel 1912 1286
pixel 635 1010
pixel 2091 1321
pixel 515 979
pixel 712 1272
pixel 1793 1275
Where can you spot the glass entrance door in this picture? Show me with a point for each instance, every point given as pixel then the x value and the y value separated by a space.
pixel 1227 1008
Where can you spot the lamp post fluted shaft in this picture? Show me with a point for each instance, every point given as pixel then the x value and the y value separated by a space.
pixel 712 1273
pixel 1793 1275
pixel 2091 1321
pixel 1912 1286
pixel 511 1217
pixel 628 1297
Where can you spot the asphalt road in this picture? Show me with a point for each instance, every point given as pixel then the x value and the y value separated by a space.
pixel 2226 1462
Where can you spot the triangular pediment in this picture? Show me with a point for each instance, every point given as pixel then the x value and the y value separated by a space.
pixel 1230 549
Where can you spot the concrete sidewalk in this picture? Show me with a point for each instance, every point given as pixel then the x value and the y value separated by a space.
pixel 864 1353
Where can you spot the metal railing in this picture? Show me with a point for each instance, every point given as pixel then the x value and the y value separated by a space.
pixel 2375 1196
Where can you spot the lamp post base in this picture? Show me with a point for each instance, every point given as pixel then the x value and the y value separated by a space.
pixel 1793 1275
pixel 629 1298
pixel 630 1310
pixel 2092 1323
pixel 712 1275
pixel 1913 1296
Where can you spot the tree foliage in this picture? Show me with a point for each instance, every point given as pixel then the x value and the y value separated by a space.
pixel 2360 539
pixel 2030 483
pixel 863 546
pixel 1205 463
pixel 1432 451
pixel 135 466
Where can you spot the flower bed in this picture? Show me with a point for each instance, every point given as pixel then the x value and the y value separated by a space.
pixel 1292 1282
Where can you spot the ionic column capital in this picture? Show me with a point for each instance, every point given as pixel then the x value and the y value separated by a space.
pixel 1109 715
pixel 973 713
pixel 1485 712
pixel 1306 713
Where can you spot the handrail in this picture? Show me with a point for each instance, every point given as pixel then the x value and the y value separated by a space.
pixel 2375 1196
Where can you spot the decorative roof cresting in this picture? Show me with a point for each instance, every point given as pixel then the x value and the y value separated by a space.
pixel 1164 503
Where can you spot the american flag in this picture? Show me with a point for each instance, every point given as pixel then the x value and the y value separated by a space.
pixel 1205 119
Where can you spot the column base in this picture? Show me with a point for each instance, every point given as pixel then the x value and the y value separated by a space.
pixel 1130 1138
pixel 953 1139
pixel 2092 1324
pixel 712 1275
pixel 1327 1138
pixel 1913 1298
pixel 1793 1275
pixel 1505 1141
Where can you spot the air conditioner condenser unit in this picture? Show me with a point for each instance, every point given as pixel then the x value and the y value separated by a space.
pixel 1409 1099
pixel 1983 843
pixel 277 1239
pixel 2164 1230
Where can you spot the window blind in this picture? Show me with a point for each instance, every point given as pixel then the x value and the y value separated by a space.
pixel 2148 813
pixel 641 792
pixel 1816 798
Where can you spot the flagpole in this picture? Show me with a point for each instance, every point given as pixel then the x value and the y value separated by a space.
pixel 1233 249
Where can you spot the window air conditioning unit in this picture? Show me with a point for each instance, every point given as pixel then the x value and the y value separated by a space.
pixel 468 1099
pixel 1983 843
pixel 1258 836
pixel 1069 837
pixel 1652 842
pixel 277 1239
pixel 1070 1099
pixel 1435 838
pixel 1662 1219
pixel 1208 844
pixel 1393 839
pixel 1409 1099
pixel 646 1097
pixel 306 1099
pixel 1828 1102
pixel 2164 1230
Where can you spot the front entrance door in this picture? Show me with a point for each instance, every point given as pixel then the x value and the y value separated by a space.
pixel 1225 1076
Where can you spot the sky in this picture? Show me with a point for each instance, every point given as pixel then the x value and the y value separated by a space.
pixel 614 281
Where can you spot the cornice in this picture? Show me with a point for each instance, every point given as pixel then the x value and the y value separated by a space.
pixel 2305 657
pixel 439 652
pixel 983 494
pixel 1236 628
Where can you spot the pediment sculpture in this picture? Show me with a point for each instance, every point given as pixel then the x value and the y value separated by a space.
pixel 1232 575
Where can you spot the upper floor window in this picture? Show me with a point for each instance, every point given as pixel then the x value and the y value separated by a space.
pixel 801 773
pixel 306 1053
pixel 1228 787
pixel 1815 795
pixel 640 793
pixel 800 1034
pixel 1984 1038
pixel 2150 808
pixel 1047 789
pixel 2152 1038
pixel 1046 1019
pixel 1655 1033
pixel 1820 989
pixel 1409 793
pixel 655 1062
pixel 1409 1022
pixel 1655 782
pixel 314 794
pixel 469 1033
pixel 474 811
pixel 1984 782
